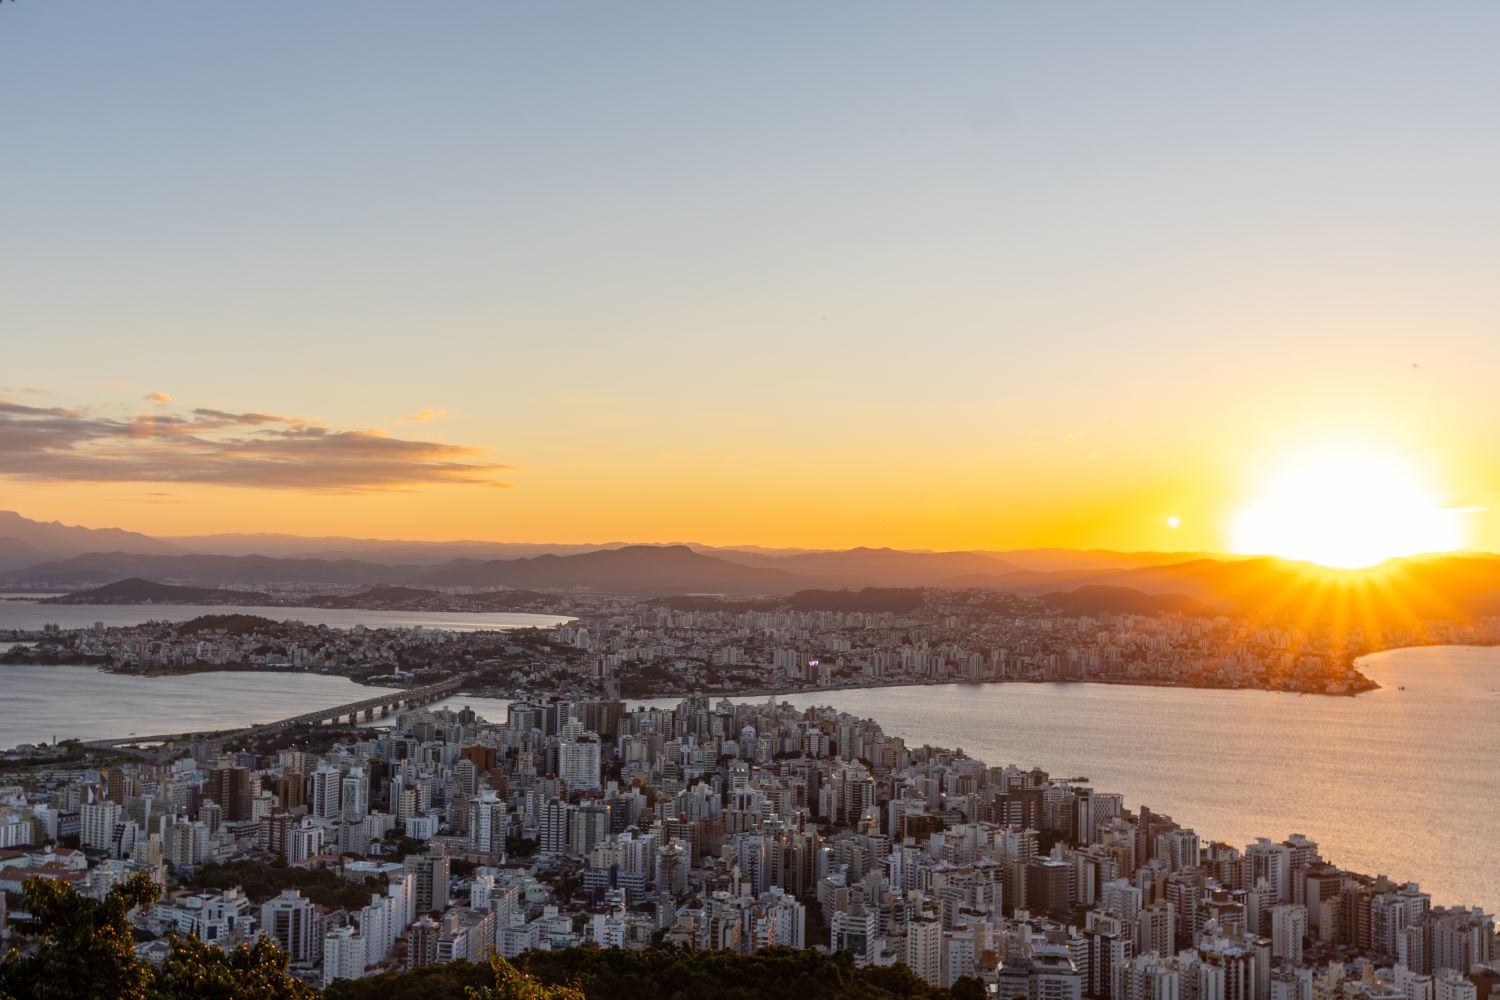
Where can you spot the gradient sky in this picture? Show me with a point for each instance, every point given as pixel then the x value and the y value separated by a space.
pixel 956 276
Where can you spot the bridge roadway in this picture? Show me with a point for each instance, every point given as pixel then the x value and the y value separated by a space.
pixel 382 703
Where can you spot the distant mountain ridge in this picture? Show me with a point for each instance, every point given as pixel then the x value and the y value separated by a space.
pixel 24 542
pixel 637 569
pixel 1402 591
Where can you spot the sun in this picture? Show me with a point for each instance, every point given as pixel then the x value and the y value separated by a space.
pixel 1347 509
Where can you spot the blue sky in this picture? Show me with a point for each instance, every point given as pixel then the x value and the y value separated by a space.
pixel 683 248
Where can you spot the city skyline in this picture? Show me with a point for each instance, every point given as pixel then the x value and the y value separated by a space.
pixel 1010 277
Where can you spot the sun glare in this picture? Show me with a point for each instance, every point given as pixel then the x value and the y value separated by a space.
pixel 1347 510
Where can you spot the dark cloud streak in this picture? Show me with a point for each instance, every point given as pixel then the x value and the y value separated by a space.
pixel 59 444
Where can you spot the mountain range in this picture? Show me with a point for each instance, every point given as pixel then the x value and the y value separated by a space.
pixel 1400 591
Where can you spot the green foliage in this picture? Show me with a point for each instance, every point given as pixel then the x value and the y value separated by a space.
pixel 660 973
pixel 262 880
pixel 676 974
pixel 429 982
pixel 512 984
pixel 85 949
pixel 196 971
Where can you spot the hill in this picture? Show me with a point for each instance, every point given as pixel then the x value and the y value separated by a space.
pixel 634 569
pixel 420 599
pixel 138 591
pixel 1098 599
pixel 383 550
pixel 866 567
pixel 98 568
pixel 875 599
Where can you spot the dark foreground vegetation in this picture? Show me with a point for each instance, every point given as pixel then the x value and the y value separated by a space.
pixel 76 948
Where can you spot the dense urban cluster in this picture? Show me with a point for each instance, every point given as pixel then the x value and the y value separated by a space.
pixel 625 647
pixel 737 826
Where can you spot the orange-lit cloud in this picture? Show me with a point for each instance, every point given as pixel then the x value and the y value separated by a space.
pixel 158 397
pixel 425 414
pixel 61 444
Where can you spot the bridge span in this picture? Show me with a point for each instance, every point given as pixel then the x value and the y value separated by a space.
pixel 366 708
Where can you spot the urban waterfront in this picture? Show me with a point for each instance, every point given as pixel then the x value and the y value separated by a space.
pixel 1396 781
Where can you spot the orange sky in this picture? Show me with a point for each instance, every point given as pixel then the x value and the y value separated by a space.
pixel 1022 275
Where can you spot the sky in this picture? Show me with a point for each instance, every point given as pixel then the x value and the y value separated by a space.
pixel 947 276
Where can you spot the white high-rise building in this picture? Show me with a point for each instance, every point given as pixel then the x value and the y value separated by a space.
pixel 96 824
pixel 1453 986
pixel 1148 977
pixel 1288 928
pixel 578 762
pixel 1272 862
pixel 344 955
pixel 354 795
pixel 487 822
pixel 924 950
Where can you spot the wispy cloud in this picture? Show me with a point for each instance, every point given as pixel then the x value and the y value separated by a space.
pixel 158 397
pixel 80 444
pixel 425 414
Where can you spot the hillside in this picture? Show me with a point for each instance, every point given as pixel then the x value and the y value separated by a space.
pixel 138 591
pixel 872 599
pixel 634 569
pixel 867 567
pixel 420 599
pixel 1098 599
pixel 99 568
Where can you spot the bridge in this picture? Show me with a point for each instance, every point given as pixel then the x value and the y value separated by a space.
pixel 367 708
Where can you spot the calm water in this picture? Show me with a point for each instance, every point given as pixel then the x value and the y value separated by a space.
pixel 1403 782
pixel 40 702
pixel 31 615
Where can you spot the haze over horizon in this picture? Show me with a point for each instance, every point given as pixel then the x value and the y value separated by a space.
pixel 1019 276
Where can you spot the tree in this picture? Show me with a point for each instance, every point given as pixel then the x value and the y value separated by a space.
pixel 86 950
pixel 196 971
pixel 513 984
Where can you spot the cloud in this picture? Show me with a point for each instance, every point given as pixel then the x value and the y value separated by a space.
pixel 220 447
pixel 425 414
pixel 158 397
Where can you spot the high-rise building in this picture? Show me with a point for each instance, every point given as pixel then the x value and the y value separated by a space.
pixel 431 874
pixel 96 824
pixel 924 949
pixel 1272 862
pixel 323 792
pixel 230 788
pixel 344 955
pixel 1048 886
pixel 554 827
pixel 487 823
pixel 578 762
pixel 292 922
pixel 1288 929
